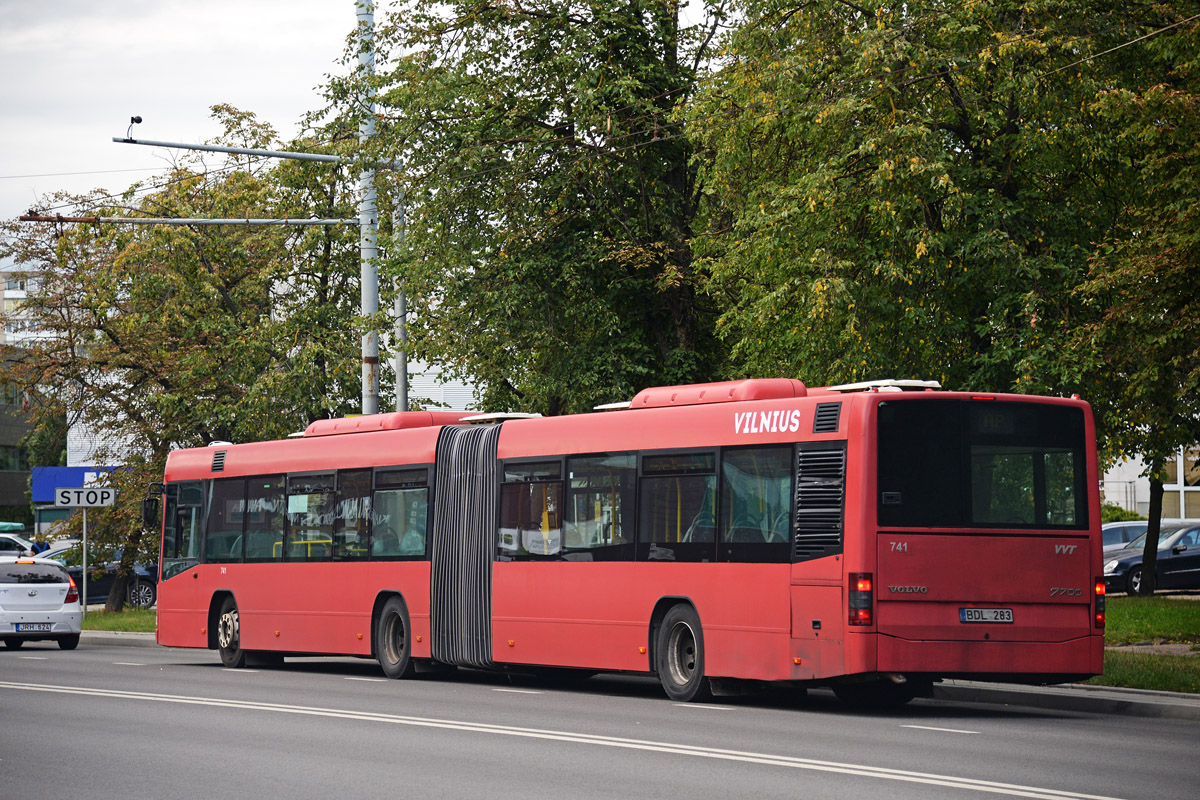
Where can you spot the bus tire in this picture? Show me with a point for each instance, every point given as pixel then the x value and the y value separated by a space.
pixel 679 656
pixel 229 636
pixel 393 639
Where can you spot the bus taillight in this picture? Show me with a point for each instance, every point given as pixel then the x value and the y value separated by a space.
pixel 1099 602
pixel 861 598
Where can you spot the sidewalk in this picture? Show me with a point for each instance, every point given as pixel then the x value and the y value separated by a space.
pixel 1069 697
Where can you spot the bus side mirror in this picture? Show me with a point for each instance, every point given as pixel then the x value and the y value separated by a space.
pixel 151 518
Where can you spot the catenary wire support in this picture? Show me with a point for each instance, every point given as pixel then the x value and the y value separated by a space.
pixel 286 221
pixel 367 221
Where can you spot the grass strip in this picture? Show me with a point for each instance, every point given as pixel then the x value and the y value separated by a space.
pixel 1146 619
pixel 139 620
pixel 1164 673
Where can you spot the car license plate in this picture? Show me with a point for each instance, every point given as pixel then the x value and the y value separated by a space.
pixel 985 614
pixel 32 627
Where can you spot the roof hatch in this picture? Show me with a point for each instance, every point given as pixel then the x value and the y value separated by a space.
pixel 724 392
pixel 396 420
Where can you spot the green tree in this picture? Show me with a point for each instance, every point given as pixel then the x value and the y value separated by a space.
pixel 550 195
pixel 1138 350
pixel 909 190
pixel 173 336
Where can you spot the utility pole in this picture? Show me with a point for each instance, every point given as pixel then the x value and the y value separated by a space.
pixel 368 215
pixel 401 307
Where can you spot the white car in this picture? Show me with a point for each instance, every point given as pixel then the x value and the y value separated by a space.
pixel 38 601
pixel 13 545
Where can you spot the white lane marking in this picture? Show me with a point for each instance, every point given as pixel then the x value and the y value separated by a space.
pixel 127 664
pixel 702 705
pixel 33 658
pixel 372 680
pixel 516 691
pixel 242 671
pixel 768 759
pixel 941 730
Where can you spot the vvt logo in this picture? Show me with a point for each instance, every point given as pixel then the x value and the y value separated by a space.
pixel 1065 549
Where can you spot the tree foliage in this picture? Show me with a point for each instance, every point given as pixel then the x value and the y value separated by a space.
pixel 1138 349
pixel 908 189
pixel 999 195
pixel 550 195
pixel 157 337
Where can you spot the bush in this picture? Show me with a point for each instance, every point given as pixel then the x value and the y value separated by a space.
pixel 1114 513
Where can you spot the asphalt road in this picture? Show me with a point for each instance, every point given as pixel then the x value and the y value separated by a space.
pixel 123 722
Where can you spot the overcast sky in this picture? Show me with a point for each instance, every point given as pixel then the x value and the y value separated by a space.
pixel 74 71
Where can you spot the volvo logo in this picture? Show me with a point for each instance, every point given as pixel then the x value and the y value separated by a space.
pixel 909 589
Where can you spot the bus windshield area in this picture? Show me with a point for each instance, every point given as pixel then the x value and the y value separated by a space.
pixel 981 464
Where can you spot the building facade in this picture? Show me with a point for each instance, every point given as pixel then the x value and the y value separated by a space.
pixel 1127 486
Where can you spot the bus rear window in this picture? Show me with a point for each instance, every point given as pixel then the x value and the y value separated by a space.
pixel 981 464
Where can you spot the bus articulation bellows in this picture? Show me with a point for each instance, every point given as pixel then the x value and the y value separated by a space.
pixel 873 537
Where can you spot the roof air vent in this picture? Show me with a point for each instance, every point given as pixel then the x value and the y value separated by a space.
pixel 826 418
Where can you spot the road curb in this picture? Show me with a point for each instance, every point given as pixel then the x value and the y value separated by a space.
pixel 1075 697
pixel 1070 697
pixel 122 638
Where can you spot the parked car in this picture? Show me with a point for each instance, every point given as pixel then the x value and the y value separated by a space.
pixel 1118 535
pixel 13 545
pixel 142 591
pixel 38 601
pixel 1177 566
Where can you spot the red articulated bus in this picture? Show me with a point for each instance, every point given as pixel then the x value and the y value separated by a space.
pixel 872 537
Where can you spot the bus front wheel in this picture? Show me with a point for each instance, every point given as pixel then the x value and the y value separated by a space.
pixel 229 636
pixel 393 643
pixel 679 656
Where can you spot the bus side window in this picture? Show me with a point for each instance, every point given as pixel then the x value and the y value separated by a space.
pixel 756 504
pixel 531 512
pixel 265 520
pixel 678 508
pixel 399 513
pixel 226 516
pixel 311 510
pixel 350 532
pixel 599 520
pixel 181 533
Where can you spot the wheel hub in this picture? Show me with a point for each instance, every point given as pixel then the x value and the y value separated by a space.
pixel 681 653
pixel 227 630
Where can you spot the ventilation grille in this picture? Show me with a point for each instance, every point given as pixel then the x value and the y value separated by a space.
pixel 826 419
pixel 820 495
pixel 218 461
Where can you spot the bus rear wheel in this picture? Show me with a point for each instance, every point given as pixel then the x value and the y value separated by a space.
pixel 679 656
pixel 229 636
pixel 393 643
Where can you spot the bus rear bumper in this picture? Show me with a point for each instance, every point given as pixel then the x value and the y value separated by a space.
pixel 1014 660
